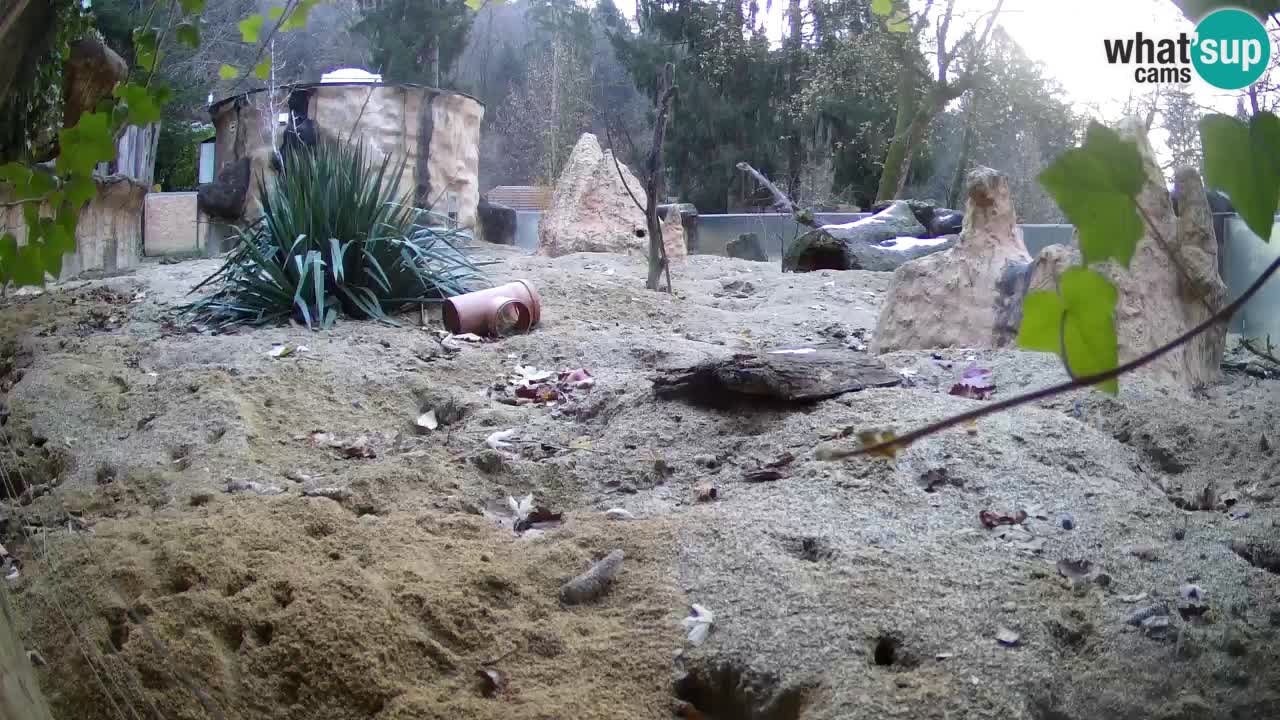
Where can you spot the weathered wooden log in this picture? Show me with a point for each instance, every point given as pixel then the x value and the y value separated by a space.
pixel 795 374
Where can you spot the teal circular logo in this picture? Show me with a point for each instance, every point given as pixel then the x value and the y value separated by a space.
pixel 1232 49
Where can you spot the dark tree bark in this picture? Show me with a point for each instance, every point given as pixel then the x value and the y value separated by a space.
pixel 654 185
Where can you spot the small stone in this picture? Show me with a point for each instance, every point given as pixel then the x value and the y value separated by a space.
pixel 1103 580
pixel 1144 552
pixel 1009 607
pixel 1179 533
pixel 710 462
pixel 1007 637
pixel 1067 522
pixel 485 558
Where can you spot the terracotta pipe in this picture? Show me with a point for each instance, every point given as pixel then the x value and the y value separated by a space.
pixel 477 312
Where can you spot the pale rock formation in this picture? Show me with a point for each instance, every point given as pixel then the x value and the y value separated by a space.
pixel 591 210
pixel 1165 291
pixel 969 295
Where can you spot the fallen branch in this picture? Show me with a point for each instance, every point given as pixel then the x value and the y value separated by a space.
pixel 1247 344
pixel 780 201
pixel 1223 315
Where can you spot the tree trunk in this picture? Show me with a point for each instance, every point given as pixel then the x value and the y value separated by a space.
pixel 915 138
pixel 794 145
pixel 658 262
pixel 908 103
pixel 956 190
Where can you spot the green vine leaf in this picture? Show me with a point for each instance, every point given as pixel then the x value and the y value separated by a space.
pixel 1096 186
pixel 16 174
pixel 882 7
pixel 79 190
pixel 84 146
pixel 1244 160
pixel 228 72
pixel 251 28
pixel 297 20
pixel 1079 319
pixel 142 107
pixel 188 34
pixel 262 70
pixel 192 7
pixel 146 48
pixel 899 22
pixel 274 13
pixel 8 257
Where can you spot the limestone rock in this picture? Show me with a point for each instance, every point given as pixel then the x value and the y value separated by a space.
pixel 747 247
pixel 969 295
pixel 1164 292
pixel 673 237
pixel 497 223
pixel 688 214
pixel 591 210
pixel 881 242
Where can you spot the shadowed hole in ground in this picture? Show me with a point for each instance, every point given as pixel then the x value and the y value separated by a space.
pixel 728 692
pixel 808 548
pixel 887 651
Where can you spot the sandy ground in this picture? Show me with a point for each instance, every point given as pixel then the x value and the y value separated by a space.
pixel 842 590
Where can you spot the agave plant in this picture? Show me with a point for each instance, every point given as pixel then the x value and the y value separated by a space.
pixel 336 236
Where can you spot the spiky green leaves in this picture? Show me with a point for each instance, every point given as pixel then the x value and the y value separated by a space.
pixel 338 235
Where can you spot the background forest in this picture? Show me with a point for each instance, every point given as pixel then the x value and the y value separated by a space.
pixel 818 95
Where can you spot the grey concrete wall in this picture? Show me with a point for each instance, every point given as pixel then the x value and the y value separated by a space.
pixel 109 233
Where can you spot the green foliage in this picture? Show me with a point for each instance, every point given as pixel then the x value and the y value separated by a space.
pixel 404 51
pixel 178 156
pixel 1076 322
pixel 1096 186
pixel 337 236
pixel 1244 160
pixel 250 28
pixel 51 202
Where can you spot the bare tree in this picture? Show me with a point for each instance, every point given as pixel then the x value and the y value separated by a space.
pixel 545 115
pixel 957 69
pixel 654 184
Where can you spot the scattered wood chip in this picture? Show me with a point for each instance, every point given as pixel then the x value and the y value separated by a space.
pixel 618 514
pixel 698 624
pixel 500 439
pixel 492 682
pixel 427 420
pixel 1075 569
pixel 762 475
